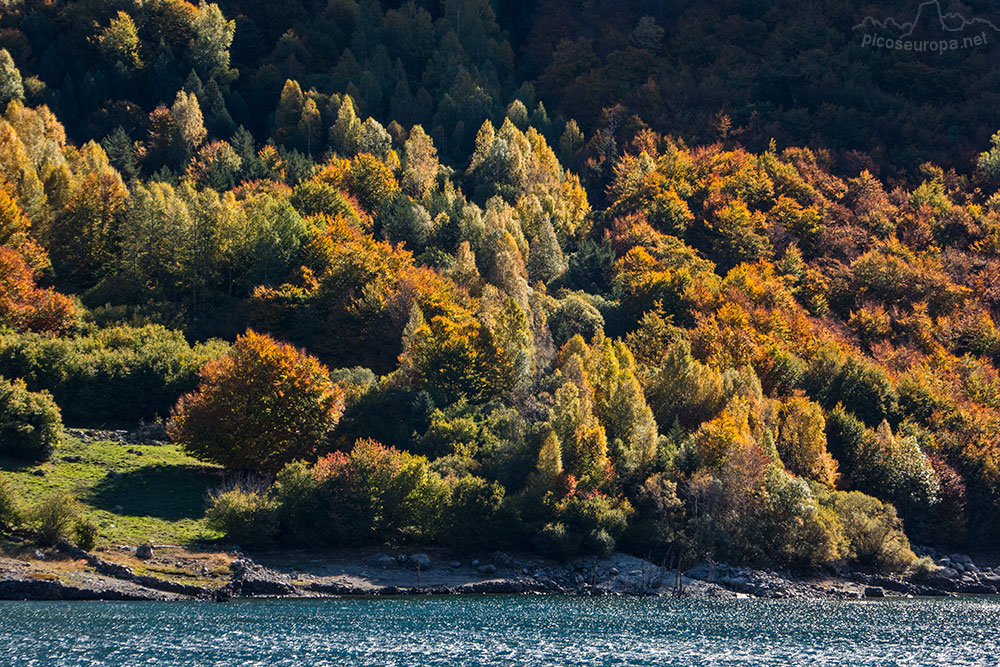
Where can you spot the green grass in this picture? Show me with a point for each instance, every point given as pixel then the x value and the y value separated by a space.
pixel 158 497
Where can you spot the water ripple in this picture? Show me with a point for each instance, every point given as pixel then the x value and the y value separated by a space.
pixel 502 631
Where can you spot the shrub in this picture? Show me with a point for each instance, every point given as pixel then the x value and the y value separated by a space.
pixel 299 500
pixel 30 423
pixel 246 515
pixel 259 407
pixel 473 518
pixel 117 374
pixel 9 511
pixel 53 517
pixel 85 534
pixel 555 541
pixel 379 492
pixel 596 520
pixel 873 531
pixel 923 566
pixel 800 531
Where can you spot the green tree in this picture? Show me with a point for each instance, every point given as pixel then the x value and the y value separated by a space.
pixel 30 422
pixel 345 135
pixel 289 113
pixel 188 125
pixel 213 35
pixel 119 42
pixel 11 86
pixel 421 166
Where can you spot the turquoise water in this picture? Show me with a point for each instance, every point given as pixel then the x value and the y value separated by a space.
pixel 508 631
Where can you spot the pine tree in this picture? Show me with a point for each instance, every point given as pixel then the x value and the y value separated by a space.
pixel 188 125
pixel 545 258
pixel 345 135
pixel 11 86
pixel 310 128
pixel 288 114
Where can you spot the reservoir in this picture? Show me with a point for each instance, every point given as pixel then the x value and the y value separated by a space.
pixel 503 631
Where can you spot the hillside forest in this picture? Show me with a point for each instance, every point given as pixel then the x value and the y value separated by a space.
pixel 524 275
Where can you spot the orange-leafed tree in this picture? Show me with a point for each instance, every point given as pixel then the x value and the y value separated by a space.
pixel 25 306
pixel 259 407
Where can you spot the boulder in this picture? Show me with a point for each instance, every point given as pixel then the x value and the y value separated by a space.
pixel 381 560
pixel 874 592
pixel 488 568
pixel 144 551
pixel 991 580
pixel 420 562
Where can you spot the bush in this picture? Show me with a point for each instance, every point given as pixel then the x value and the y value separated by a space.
pixel 9 511
pixel 259 407
pixel 85 534
pixel 112 375
pixel 30 423
pixel 53 517
pixel 299 499
pixel 595 522
pixel 873 531
pixel 555 541
pixel 923 566
pixel 473 516
pixel 246 515
pixel 381 493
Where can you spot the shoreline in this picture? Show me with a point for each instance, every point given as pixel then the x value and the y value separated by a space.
pixel 175 574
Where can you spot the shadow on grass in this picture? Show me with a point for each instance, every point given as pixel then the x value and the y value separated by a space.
pixel 8 464
pixel 166 492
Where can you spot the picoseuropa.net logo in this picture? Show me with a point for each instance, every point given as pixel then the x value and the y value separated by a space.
pixel 930 31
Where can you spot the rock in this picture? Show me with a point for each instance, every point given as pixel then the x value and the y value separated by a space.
pixel 613 572
pixel 72 459
pixel 503 560
pixel 144 551
pixel 250 579
pixel 991 580
pixel 38 472
pixel 475 563
pixel 488 568
pixel 114 475
pixel 701 571
pixel 381 560
pixel 420 562
pixel 455 564
pixel 39 555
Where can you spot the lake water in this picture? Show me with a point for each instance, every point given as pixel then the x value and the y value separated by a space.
pixel 504 631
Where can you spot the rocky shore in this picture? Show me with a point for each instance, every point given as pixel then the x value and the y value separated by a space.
pixel 69 573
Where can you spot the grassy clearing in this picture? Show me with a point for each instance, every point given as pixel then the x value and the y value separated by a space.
pixel 155 495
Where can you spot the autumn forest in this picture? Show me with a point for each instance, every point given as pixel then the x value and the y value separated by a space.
pixel 524 275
